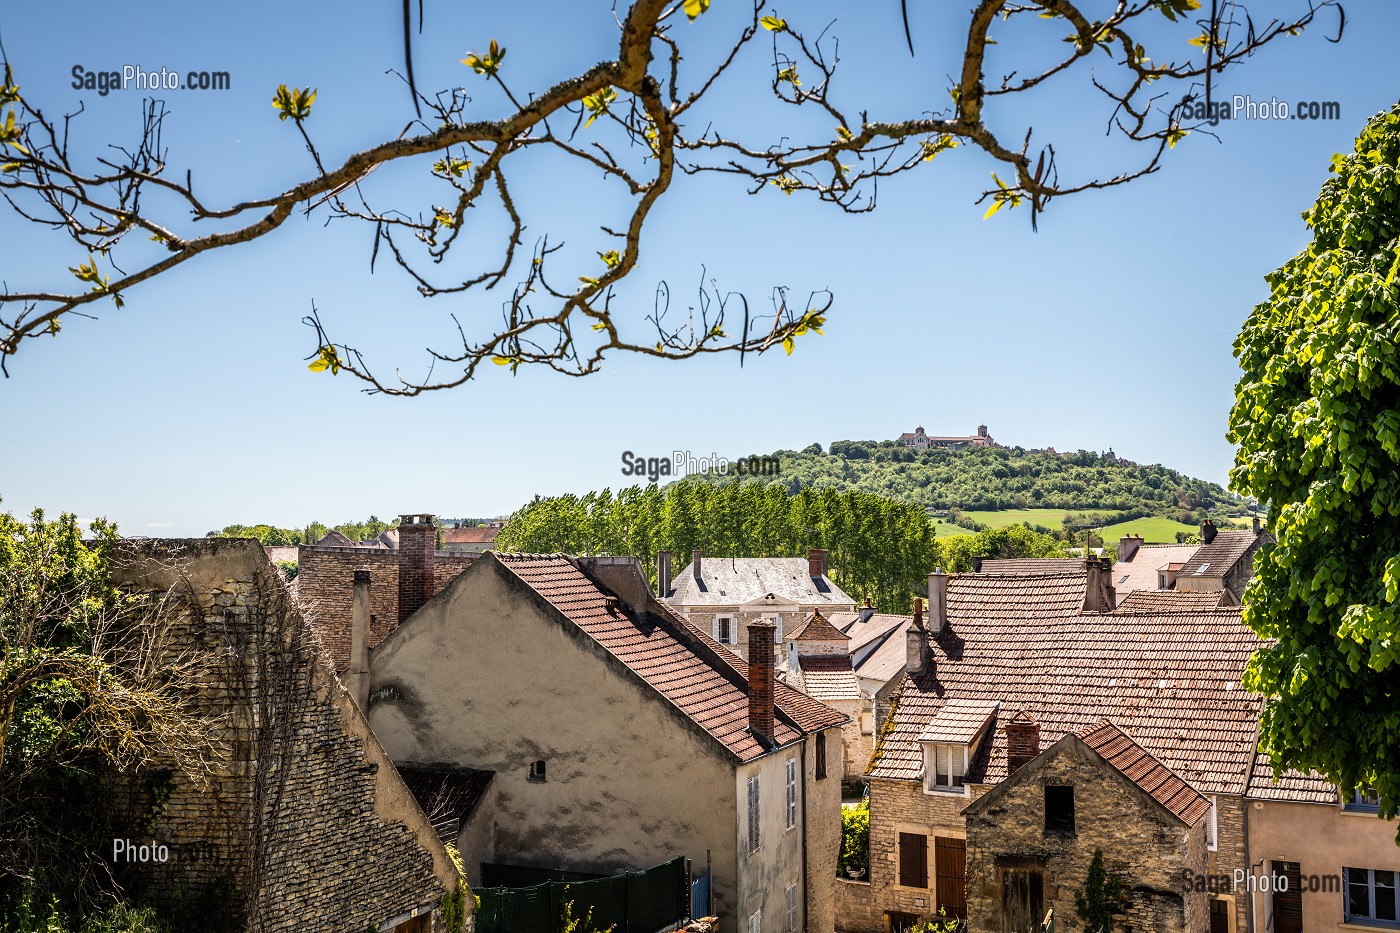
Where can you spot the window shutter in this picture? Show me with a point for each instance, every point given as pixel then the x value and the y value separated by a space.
pixel 959 754
pixel 944 764
pixel 791 793
pixel 1210 825
pixel 753 814
pixel 913 860
pixel 792 908
pixel 756 921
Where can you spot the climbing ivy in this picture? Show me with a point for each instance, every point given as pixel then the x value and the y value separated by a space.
pixel 1317 421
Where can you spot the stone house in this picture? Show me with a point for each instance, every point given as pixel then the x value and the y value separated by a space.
pixel 613 736
pixel 1032 838
pixel 472 539
pixel 722 595
pixel 1222 564
pixel 1341 862
pixel 303 823
pixel 1045 644
pixel 818 663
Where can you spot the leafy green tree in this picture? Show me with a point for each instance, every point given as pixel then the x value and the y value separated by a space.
pixel 1098 900
pixel 1317 421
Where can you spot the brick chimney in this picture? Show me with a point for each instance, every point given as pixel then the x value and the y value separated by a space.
pixel 695 563
pixel 816 562
pixel 663 574
pixel 357 676
pixel 761 677
pixel 1022 741
pixel 417 535
pixel 916 643
pixel 1128 546
pixel 937 600
pixel 1207 531
pixel 1098 585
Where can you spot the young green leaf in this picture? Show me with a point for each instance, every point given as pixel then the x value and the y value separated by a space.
pixel 773 23
pixel 598 104
pixel 694 8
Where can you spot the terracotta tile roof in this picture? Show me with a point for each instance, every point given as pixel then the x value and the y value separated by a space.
pixel 1025 565
pixel 1140 573
pixel 1171 679
pixel 825 678
pixel 1217 558
pixel 657 653
pixel 447 795
pixel 469 535
pixel 817 628
pixel 1168 601
pixel 733 581
pixel 1138 766
pixel 957 722
pixel 1291 786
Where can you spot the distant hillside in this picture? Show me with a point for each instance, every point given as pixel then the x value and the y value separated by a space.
pixel 996 478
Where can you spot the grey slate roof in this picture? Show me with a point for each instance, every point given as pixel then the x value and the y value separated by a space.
pixel 732 581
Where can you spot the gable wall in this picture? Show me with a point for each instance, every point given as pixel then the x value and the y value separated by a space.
pixel 485 676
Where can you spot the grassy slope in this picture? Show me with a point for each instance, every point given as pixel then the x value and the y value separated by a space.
pixel 1153 530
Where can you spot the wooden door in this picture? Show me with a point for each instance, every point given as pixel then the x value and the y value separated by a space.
pixel 1288 904
pixel 950 867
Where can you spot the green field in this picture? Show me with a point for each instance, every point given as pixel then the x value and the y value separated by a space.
pixel 1153 530
pixel 946 529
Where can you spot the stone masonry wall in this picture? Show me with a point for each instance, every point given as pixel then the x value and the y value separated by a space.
pixel 855 909
pixel 324 583
pixel 303 823
pixel 1140 841
pixel 903 806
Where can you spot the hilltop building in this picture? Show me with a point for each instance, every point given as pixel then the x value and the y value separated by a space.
pixel 923 441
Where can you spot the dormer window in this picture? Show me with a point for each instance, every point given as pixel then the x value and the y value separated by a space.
pixel 945 767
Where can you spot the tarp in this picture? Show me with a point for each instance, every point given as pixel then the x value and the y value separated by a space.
pixel 636 902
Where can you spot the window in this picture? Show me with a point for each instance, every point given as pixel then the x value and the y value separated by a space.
pixel 753 816
pixel 792 908
pixel 756 921
pixel 791 793
pixel 1220 914
pixel 1059 809
pixel 724 631
pixel 1211 825
pixel 821 755
pixel 949 765
pixel 537 770
pixel 1364 799
pixel 1370 895
pixel 913 860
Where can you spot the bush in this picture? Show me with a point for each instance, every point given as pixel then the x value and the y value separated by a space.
pixel 855 838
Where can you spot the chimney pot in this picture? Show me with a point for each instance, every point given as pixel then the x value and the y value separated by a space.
pixel 695 563
pixel 1022 741
pixel 761 677
pixel 867 610
pixel 1256 524
pixel 816 562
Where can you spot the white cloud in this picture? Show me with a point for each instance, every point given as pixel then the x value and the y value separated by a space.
pixel 160 524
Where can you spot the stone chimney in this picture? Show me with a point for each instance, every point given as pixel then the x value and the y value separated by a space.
pixel 816 562
pixel 663 574
pixel 1098 585
pixel 417 540
pixel 916 643
pixel 976 565
pixel 761 677
pixel 1128 546
pixel 1022 741
pixel 1207 531
pixel 867 610
pixel 937 600
pixel 695 563
pixel 1256 524
pixel 357 676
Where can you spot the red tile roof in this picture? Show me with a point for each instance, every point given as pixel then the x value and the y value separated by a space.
pixel 827 678
pixel 1146 772
pixel 817 628
pixel 1291 786
pixel 1170 679
pixel 1217 558
pixel 1024 565
pixel 469 535
pixel 957 722
pixel 1168 601
pixel 663 652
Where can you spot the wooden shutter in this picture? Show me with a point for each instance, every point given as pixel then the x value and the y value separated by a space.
pixel 913 860
pixel 791 793
pixel 1288 905
pixel 792 908
pixel 950 868
pixel 821 755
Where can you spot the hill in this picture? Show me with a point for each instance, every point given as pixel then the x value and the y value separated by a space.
pixel 1098 490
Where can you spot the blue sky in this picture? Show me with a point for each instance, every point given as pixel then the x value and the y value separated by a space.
pixel 193 408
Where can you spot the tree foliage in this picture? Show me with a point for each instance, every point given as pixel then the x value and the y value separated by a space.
pixel 1317 421
pixel 982 478
pixel 879 548
pixel 643 119
pixel 1099 899
pixel 273 536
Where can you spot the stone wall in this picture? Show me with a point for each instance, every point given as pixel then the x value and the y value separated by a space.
pixel 855 908
pixel 823 821
pixel 1142 843
pixel 302 821
pixel 903 806
pixel 324 583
